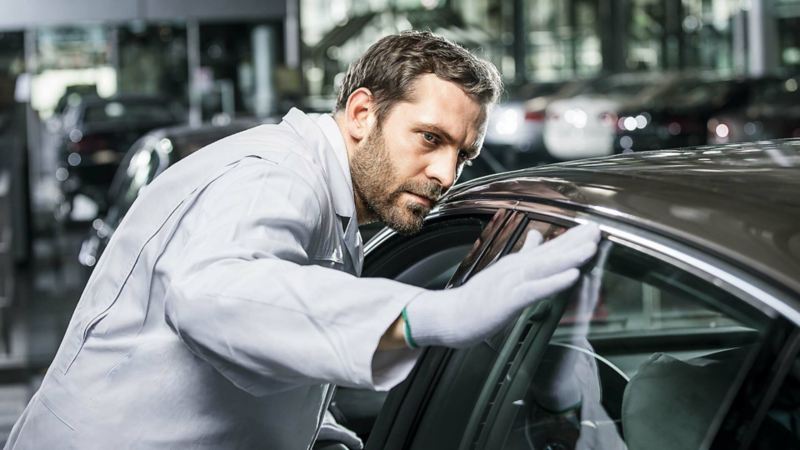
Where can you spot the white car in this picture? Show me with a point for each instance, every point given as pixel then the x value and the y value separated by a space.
pixel 519 122
pixel 584 126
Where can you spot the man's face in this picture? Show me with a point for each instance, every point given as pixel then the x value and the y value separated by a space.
pixel 404 166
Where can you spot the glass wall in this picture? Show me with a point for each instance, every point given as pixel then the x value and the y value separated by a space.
pixel 554 40
pixel 337 32
pixel 563 39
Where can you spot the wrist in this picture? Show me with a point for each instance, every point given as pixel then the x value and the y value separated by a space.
pixel 409 338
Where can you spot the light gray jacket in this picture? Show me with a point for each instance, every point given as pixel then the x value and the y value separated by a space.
pixel 225 303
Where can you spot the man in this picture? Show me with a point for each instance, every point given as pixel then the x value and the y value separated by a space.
pixel 228 301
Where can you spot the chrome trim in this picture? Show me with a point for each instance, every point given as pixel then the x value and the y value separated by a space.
pixel 753 295
pixel 720 274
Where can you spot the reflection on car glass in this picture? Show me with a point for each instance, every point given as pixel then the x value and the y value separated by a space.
pixel 480 244
pixel 548 231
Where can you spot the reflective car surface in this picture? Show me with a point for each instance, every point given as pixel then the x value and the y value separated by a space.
pixel 681 334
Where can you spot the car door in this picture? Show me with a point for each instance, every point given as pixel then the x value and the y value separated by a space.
pixel 427 259
pixel 656 347
pixel 445 384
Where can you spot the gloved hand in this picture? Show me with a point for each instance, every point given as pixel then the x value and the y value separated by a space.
pixel 464 316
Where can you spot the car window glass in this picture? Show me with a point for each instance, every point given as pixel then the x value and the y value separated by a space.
pixel 643 356
pixel 496 247
pixel 547 230
pixel 427 259
pixel 480 245
pixel 457 392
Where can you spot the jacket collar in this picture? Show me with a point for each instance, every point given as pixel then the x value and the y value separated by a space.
pixel 326 142
pixel 329 150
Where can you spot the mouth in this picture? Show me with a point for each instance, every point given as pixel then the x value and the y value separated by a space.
pixel 425 201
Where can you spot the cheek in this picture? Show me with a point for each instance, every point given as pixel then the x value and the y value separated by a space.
pixel 408 161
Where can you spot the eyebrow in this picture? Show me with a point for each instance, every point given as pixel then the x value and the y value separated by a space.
pixel 472 149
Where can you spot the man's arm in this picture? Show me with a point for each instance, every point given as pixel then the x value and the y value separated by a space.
pixel 247 299
pixel 394 338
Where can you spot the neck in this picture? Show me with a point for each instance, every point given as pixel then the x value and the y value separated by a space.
pixel 363 215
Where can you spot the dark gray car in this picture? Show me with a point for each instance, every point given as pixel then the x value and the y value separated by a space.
pixel 682 334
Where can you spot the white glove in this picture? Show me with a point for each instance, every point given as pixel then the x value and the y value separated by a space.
pixel 467 315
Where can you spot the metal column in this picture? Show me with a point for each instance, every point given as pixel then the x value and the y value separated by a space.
pixel 762 39
pixel 193 60
pixel 264 62
pixel 291 35
pixel 520 41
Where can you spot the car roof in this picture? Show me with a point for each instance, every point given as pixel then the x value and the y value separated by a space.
pixel 740 201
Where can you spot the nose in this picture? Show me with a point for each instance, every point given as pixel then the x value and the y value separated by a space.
pixel 442 168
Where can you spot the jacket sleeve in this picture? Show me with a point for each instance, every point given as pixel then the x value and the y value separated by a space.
pixel 248 300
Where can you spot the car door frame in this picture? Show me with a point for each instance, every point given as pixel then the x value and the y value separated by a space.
pixel 394 426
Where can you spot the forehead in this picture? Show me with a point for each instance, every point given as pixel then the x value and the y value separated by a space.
pixel 443 104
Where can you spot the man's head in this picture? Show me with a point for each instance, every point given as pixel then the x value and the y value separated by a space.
pixel 413 111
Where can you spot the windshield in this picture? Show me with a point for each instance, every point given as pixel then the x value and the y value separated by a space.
pixel 617 88
pixel 783 93
pixel 690 94
pixel 130 112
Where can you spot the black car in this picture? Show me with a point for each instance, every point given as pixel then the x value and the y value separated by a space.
pixel 95 135
pixel 147 159
pixel 678 117
pixel 773 113
pixel 683 332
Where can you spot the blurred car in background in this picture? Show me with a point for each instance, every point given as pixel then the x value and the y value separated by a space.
pixel 516 126
pixel 148 158
pixel 95 134
pixel 584 126
pixel 773 112
pixel 679 115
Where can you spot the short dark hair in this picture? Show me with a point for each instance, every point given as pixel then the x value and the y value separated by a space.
pixel 391 65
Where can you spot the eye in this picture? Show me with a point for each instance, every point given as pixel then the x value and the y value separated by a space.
pixel 429 137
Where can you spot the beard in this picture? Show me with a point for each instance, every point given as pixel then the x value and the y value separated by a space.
pixel 375 182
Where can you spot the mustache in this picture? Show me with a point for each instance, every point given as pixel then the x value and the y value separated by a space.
pixel 430 190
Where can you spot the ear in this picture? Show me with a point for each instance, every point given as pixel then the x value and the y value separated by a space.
pixel 359 114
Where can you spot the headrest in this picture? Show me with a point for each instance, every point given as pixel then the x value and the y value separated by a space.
pixel 670 404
